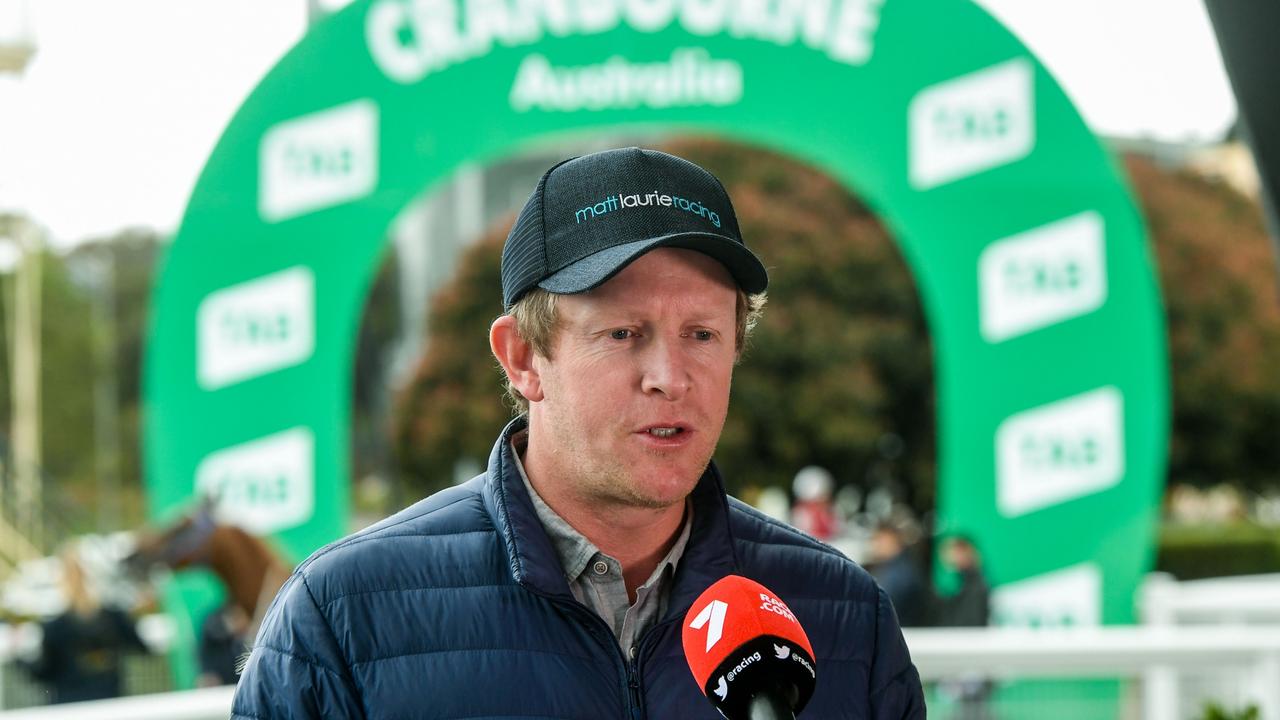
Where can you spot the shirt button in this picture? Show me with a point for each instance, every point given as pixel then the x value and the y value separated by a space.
pixel 601 567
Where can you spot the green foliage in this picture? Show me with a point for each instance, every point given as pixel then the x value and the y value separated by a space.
pixel 120 287
pixel 93 311
pixel 66 375
pixel 378 327
pixel 66 410
pixel 1202 551
pixel 1215 711
pixel 1218 276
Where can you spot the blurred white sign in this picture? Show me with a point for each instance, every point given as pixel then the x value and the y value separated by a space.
pixel 1042 276
pixel 318 160
pixel 1071 597
pixel 972 123
pixel 1060 451
pixel 255 327
pixel 265 485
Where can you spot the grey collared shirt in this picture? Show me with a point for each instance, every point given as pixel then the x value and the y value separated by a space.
pixel 595 579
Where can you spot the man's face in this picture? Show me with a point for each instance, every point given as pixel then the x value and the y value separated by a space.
pixel 958 555
pixel 884 546
pixel 635 395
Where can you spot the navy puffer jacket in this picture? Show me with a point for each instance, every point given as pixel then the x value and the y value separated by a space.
pixel 457 607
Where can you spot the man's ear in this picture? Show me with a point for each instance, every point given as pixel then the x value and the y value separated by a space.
pixel 516 357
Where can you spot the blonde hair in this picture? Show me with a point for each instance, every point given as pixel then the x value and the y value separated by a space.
pixel 537 322
pixel 80 597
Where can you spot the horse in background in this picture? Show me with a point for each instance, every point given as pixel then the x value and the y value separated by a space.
pixel 250 570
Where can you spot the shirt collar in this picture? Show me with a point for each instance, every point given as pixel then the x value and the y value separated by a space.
pixel 709 555
pixel 672 559
pixel 573 548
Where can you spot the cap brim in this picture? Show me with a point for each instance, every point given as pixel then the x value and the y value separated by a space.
pixel 593 270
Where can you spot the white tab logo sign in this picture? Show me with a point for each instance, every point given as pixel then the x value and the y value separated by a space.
pixel 264 486
pixel 1071 597
pixel 1042 276
pixel 318 160
pixel 255 327
pixel 1060 451
pixel 973 123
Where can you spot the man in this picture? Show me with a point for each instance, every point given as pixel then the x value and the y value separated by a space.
pixel 555 584
pixel 895 569
pixel 970 604
pixel 83 648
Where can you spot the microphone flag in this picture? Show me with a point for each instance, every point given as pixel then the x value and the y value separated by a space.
pixel 741 641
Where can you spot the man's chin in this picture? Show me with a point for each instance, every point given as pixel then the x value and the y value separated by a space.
pixel 662 493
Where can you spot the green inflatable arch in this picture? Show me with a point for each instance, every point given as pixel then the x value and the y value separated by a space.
pixel 1037 283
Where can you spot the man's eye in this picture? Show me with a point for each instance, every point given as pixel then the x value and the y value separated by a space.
pixel 620 334
pixel 703 335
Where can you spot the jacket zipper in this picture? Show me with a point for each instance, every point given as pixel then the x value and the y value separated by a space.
pixel 637 709
pixel 630 666
pixel 631 682
pixel 633 667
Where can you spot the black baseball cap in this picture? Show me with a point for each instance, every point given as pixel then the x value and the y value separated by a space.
pixel 590 216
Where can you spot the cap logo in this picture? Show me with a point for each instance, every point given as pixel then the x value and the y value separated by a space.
pixel 620 201
pixel 652 199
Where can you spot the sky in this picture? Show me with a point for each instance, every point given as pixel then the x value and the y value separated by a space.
pixel 113 119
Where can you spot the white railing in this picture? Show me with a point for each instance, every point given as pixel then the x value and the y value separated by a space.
pixel 1157 656
pixel 1194 630
pixel 1001 654
pixel 206 704
pixel 1245 599
pixel 1087 652
pixel 1248 601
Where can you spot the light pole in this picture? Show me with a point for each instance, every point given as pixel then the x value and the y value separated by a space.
pixel 24 364
pixel 20 261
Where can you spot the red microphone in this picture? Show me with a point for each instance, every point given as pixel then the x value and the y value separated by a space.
pixel 747 652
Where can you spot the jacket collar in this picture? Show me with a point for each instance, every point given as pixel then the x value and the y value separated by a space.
pixel 534 564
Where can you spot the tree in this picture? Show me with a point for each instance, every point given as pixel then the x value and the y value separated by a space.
pixel 65 409
pixel 379 323
pixel 117 273
pixel 1218 277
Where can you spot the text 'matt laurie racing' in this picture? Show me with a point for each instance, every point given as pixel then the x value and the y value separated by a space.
pixel 613 202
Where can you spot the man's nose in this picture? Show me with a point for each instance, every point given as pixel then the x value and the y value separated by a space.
pixel 665 369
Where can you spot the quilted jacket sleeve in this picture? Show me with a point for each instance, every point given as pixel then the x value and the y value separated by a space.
pixel 895 684
pixel 297 668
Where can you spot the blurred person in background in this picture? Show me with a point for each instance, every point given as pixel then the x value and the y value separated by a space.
pixel 83 648
pixel 894 566
pixel 814 512
pixel 968 606
pixel 223 645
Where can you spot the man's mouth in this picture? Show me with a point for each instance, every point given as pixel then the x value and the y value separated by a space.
pixel 665 432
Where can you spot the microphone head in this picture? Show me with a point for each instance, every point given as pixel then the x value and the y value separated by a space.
pixel 741 640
